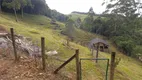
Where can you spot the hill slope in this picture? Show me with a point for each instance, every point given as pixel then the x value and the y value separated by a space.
pixel 36 26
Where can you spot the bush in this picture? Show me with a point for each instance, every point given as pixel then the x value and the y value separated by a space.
pixel 125 44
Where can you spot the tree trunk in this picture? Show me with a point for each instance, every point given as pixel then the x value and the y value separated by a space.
pixel 22 12
pixel 15 14
pixel 0 6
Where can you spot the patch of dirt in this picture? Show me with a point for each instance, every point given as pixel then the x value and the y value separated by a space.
pixel 2 29
pixel 27 69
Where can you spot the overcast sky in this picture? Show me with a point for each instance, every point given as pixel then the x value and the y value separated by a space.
pixel 67 6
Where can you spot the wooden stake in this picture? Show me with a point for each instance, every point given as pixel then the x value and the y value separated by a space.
pixel 97 53
pixel 112 68
pixel 43 52
pixel 77 65
pixel 13 43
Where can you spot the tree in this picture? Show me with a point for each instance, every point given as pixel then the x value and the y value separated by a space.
pixel 123 21
pixel 38 7
pixel 70 29
pixel 14 4
pixel 58 16
pixel 123 7
pixel 91 12
pixel 78 23
pixel 0 4
pixel 88 21
pixel 23 4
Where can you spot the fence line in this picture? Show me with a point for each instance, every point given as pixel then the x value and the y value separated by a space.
pixel 75 56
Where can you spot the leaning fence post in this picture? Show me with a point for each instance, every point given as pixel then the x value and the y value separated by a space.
pixel 65 63
pixel 112 66
pixel 77 65
pixel 13 43
pixel 43 52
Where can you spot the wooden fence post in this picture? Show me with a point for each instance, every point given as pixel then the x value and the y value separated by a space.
pixel 112 66
pixel 13 43
pixel 43 52
pixel 97 53
pixel 77 65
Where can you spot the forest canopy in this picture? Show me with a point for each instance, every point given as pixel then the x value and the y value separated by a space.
pixel 121 23
pixel 38 7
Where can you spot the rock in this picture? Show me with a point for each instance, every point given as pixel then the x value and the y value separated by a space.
pixel 40 73
pixel 16 77
pixel 3 43
pixel 23 44
pixel 3 40
pixel 50 53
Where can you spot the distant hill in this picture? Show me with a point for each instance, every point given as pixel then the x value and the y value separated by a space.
pixel 80 12
pixel 75 16
pixel 85 13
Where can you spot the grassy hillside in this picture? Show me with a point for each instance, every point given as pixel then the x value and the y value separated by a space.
pixel 36 26
pixel 74 16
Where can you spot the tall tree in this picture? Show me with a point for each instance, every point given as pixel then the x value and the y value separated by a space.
pixel 124 23
pixel 78 23
pixel 91 12
pixel 23 4
pixel 12 4
pixel 0 4
pixel 123 7
pixel 70 29
pixel 88 21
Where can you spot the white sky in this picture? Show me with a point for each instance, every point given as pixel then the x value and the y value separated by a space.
pixel 67 6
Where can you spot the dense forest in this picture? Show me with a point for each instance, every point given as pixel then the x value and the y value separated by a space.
pixel 121 23
pixel 32 7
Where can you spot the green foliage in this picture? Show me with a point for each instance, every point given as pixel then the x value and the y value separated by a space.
pixel 137 51
pixel 32 7
pixel 70 29
pixel 58 16
pixel 54 40
pixel 125 43
pixel 75 16
pixel 122 24
pixel 117 61
pixel 25 3
pixel 14 4
pixel 78 23
pixel 87 23
pixel 91 12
